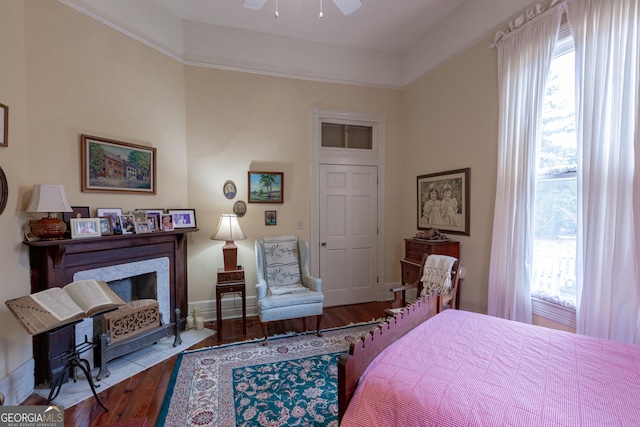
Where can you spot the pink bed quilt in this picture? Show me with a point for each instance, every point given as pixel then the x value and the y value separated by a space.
pixel 468 369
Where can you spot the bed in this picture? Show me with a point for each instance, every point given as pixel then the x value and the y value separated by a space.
pixel 459 368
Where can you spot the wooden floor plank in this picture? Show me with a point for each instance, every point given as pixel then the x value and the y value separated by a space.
pixel 142 395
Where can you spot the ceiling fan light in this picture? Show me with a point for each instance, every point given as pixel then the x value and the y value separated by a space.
pixel 254 4
pixel 347 6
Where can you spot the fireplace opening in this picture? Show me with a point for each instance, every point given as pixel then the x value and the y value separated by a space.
pixel 140 287
pixel 143 286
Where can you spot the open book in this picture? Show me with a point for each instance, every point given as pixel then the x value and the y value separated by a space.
pixel 55 307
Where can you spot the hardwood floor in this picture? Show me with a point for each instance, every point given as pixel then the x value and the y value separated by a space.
pixel 141 396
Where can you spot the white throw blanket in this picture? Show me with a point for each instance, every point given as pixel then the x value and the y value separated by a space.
pixel 437 274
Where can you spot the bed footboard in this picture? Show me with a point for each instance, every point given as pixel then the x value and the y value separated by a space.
pixel 362 352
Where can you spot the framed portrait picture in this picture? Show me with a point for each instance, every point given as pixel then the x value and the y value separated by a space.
pixel 106 226
pixel 443 201
pixel 127 224
pixel 112 213
pixel 266 187
pixel 77 212
pixel 85 227
pixel 240 208
pixel 110 166
pixel 166 222
pixel 153 218
pixel 229 189
pixel 141 227
pixel 270 218
pixel 183 218
pixel 4 125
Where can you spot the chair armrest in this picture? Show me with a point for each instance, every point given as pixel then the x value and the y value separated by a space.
pixel 399 299
pixel 313 283
pixel 261 289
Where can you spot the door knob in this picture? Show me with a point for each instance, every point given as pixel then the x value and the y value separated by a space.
pixel 323 244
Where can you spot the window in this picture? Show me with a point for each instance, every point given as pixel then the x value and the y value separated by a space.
pixel 556 195
pixel 336 135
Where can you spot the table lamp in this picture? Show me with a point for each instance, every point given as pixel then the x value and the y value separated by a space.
pixel 229 230
pixel 48 198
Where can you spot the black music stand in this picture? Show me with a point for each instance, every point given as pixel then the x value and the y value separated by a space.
pixel 72 359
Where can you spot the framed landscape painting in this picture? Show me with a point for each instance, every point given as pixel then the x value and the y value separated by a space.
pixel 443 201
pixel 110 166
pixel 266 187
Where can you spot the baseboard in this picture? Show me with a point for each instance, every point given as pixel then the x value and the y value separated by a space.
pixel 19 385
pixel 231 307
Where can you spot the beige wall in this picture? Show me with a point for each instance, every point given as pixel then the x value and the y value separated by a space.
pixel 15 344
pixel 238 122
pixel 452 123
pixel 65 74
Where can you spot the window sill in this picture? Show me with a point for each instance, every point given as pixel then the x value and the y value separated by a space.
pixel 564 316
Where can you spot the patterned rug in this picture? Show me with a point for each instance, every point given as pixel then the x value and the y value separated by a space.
pixel 291 382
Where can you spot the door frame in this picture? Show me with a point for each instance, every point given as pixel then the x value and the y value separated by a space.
pixel 347 156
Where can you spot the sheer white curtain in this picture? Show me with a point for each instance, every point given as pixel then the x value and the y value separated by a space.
pixel 524 57
pixel 606 36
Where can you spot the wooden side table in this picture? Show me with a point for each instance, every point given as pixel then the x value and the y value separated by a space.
pixel 231 281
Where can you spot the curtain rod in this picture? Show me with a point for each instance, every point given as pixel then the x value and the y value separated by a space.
pixel 522 20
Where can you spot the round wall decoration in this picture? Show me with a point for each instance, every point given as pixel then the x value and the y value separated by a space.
pixel 229 189
pixel 4 191
pixel 240 208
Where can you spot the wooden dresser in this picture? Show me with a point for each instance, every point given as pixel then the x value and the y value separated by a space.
pixel 413 251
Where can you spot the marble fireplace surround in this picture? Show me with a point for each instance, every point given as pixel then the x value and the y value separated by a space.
pixel 160 266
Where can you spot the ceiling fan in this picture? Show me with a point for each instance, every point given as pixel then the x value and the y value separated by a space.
pixel 346 6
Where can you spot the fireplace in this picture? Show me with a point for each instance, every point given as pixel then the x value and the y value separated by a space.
pixel 56 263
pixel 131 281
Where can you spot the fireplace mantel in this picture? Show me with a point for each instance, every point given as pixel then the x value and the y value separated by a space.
pixel 53 264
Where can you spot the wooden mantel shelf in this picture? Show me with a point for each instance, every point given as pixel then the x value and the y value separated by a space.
pixel 54 263
pixel 58 248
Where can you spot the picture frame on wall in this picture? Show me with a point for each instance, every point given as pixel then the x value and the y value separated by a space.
pixel 183 218
pixel 443 201
pixel 270 218
pixel 85 227
pixel 4 125
pixel 266 187
pixel 110 166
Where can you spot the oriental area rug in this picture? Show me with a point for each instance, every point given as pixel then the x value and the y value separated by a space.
pixel 291 382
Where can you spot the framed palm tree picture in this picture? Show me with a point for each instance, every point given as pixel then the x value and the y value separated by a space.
pixel 266 187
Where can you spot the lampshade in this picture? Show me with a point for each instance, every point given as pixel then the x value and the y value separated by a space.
pixel 229 230
pixel 48 198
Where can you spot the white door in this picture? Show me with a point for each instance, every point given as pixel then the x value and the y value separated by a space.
pixel 348 223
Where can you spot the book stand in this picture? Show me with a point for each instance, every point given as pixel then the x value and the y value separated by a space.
pixel 72 359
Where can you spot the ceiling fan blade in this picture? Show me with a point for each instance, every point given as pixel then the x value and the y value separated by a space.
pixel 254 4
pixel 347 6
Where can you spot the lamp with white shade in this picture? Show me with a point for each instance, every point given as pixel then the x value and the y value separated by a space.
pixel 48 198
pixel 228 231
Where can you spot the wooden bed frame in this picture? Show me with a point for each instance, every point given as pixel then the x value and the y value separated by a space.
pixel 362 352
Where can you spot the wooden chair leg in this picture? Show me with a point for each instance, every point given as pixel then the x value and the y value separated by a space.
pixel 319 320
pixel 265 332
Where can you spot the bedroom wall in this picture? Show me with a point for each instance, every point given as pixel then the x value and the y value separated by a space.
pixel 65 74
pixel 238 122
pixel 15 344
pixel 452 123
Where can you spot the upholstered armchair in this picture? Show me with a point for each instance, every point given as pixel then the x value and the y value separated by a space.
pixel 285 289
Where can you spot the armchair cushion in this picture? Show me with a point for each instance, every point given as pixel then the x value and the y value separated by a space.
pixel 282 265
pixel 291 300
